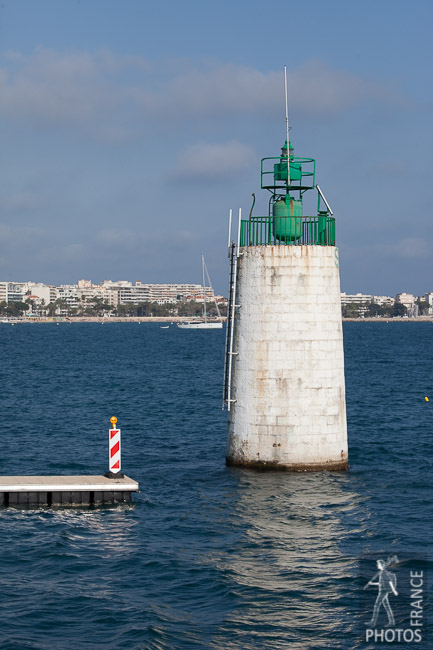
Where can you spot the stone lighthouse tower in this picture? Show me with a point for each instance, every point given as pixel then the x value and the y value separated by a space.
pixel 284 372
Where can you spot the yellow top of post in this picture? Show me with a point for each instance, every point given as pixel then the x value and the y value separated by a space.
pixel 113 421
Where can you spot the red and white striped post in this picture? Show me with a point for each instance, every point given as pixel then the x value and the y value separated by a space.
pixel 114 451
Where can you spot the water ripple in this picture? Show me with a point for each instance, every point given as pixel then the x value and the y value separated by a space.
pixel 208 556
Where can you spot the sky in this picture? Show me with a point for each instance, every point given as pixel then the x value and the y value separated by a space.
pixel 130 128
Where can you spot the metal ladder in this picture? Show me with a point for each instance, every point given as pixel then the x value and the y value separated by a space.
pixel 229 354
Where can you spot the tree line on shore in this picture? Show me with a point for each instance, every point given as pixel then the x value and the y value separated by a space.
pixel 98 307
pixel 396 310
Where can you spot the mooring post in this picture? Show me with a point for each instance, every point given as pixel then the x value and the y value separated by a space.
pixel 114 451
pixel 72 490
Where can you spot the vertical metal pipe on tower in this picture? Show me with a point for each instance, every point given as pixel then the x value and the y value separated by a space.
pixel 286 388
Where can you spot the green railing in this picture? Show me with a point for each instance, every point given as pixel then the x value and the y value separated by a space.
pixel 273 173
pixel 288 231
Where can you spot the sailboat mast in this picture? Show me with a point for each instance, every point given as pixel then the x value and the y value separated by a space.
pixel 204 296
pixel 211 288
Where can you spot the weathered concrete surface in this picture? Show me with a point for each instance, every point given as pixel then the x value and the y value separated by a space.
pixel 65 490
pixel 59 483
pixel 288 376
pixel 293 467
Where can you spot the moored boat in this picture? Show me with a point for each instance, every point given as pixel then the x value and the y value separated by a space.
pixel 204 323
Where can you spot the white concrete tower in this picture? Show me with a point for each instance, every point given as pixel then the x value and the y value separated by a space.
pixel 284 374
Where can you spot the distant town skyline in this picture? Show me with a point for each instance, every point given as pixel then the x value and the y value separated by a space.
pixel 124 297
pixel 85 282
pixel 128 133
pixel 50 291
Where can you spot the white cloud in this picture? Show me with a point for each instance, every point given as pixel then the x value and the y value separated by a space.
pixel 116 236
pixel 125 239
pixel 20 236
pixel 51 86
pixel 20 202
pixel 390 168
pixel 83 87
pixel 73 252
pixel 410 248
pixel 313 87
pixel 213 161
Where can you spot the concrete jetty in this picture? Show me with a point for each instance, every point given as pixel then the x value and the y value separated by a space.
pixel 65 490
pixel 113 487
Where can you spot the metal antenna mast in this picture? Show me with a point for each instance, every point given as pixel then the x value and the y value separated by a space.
pixel 287 125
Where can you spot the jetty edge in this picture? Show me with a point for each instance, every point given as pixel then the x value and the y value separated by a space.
pixel 65 490
pixel 112 488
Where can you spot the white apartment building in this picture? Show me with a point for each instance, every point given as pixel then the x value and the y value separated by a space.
pixel 69 293
pixel 4 291
pixel 13 291
pixel 356 298
pixel 84 291
pixel 361 300
pixel 383 301
pixel 161 293
pixel 41 294
pixel 109 296
pixel 123 292
pixel 77 296
pixel 428 297
pixel 365 299
pixel 112 292
pixel 408 300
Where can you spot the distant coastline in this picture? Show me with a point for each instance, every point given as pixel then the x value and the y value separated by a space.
pixel 177 319
pixel 102 319
pixel 396 319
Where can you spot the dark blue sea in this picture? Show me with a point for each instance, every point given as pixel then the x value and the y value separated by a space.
pixel 208 556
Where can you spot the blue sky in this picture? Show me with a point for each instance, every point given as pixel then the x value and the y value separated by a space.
pixel 130 128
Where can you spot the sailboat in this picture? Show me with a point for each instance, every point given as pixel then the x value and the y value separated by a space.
pixel 204 324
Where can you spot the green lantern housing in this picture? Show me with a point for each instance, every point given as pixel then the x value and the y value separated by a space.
pixel 287 178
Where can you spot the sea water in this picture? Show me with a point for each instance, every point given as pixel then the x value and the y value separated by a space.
pixel 208 556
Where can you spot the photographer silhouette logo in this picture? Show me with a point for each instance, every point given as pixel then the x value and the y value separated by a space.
pixel 409 606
